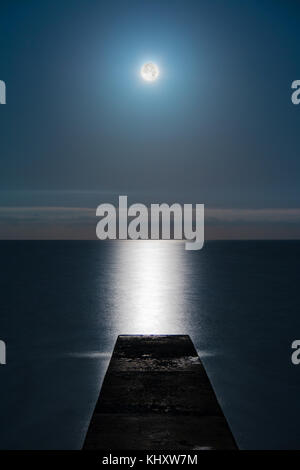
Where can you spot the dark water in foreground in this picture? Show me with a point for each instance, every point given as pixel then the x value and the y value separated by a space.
pixel 64 303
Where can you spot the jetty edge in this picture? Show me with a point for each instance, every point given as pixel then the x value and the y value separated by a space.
pixel 156 395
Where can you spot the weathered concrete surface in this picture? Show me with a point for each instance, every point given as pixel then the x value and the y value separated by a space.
pixel 156 395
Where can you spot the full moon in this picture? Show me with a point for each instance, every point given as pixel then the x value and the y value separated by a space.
pixel 149 72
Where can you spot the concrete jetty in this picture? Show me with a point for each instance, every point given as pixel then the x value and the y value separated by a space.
pixel 156 396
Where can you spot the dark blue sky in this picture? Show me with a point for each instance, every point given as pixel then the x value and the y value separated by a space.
pixel 218 127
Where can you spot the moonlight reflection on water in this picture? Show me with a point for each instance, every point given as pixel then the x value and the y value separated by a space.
pixel 150 279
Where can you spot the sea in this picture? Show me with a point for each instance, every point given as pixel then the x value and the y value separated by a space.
pixel 63 304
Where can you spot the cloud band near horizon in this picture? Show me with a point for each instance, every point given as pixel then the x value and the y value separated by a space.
pixel 79 223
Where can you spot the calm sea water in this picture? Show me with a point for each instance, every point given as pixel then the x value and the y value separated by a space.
pixel 64 303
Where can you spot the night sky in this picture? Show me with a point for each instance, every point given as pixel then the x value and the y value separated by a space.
pixel 218 127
